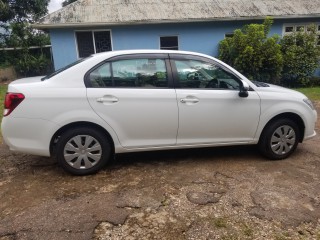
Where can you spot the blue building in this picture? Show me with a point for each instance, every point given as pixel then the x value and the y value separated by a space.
pixel 86 27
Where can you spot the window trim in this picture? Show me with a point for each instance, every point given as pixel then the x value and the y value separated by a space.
pixel 162 56
pixel 284 29
pixel 93 39
pixel 304 25
pixel 178 40
pixel 295 25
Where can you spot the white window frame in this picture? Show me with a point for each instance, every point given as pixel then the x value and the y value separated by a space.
pixel 305 25
pixel 295 25
pixel 93 39
pixel 284 29
pixel 169 36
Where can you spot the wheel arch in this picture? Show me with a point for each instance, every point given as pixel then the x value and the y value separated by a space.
pixel 288 115
pixel 55 137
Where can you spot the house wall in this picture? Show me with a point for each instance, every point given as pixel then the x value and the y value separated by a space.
pixel 203 37
pixel 64 48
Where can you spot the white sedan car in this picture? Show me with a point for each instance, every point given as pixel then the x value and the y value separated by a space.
pixel 143 100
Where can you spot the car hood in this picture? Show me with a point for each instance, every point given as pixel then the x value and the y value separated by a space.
pixel 274 88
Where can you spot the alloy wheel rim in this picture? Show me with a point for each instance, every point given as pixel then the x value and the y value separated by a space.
pixel 82 152
pixel 282 140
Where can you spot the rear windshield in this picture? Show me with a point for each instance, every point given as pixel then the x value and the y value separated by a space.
pixel 64 68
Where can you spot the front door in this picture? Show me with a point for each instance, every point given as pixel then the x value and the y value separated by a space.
pixel 210 109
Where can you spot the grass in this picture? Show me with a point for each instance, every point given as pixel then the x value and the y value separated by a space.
pixel 312 93
pixel 220 222
pixel 3 90
pixel 247 230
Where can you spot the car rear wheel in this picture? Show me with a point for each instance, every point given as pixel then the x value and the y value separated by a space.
pixel 279 139
pixel 83 151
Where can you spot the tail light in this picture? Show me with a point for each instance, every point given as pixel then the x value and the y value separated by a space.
pixel 11 101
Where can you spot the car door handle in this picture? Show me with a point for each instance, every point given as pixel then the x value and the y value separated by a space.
pixel 108 99
pixel 189 100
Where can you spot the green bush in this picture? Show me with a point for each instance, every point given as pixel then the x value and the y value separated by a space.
pixel 32 64
pixel 253 53
pixel 27 62
pixel 291 61
pixel 314 81
pixel 301 57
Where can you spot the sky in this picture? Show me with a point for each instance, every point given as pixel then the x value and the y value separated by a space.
pixel 54 5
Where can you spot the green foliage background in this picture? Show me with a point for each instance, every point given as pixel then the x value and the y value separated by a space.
pixel 301 57
pixel 289 61
pixel 15 18
pixel 253 53
pixel 22 10
pixel 3 90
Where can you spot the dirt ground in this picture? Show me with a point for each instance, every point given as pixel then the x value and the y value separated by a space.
pixel 214 193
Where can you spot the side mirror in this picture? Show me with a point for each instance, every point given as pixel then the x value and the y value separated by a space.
pixel 244 88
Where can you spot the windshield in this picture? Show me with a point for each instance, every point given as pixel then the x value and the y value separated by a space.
pixel 64 68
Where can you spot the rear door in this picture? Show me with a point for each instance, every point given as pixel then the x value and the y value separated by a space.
pixel 134 94
pixel 210 109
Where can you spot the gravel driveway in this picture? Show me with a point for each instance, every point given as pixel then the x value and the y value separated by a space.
pixel 214 193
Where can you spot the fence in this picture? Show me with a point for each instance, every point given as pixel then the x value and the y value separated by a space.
pixel 17 58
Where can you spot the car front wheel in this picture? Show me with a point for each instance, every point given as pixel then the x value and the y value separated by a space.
pixel 279 139
pixel 83 151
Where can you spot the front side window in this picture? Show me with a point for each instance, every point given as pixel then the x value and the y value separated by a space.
pixel 137 73
pixel 199 74
pixel 90 42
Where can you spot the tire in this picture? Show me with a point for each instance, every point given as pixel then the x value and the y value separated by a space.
pixel 83 151
pixel 279 139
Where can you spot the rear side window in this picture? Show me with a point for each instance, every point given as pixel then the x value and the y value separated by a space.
pixel 101 76
pixel 135 73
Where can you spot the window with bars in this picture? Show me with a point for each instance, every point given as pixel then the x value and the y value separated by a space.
pixel 90 42
pixel 169 43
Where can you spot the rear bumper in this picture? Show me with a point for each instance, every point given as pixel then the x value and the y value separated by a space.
pixel 31 136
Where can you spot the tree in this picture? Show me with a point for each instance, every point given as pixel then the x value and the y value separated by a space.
pixel 16 14
pixel 15 19
pixel 67 2
pixel 22 10
pixel 253 53
pixel 28 62
pixel 301 54
pixel 19 11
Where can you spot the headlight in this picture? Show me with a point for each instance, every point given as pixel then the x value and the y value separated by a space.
pixel 309 103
